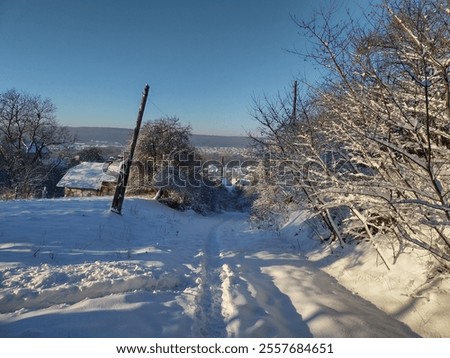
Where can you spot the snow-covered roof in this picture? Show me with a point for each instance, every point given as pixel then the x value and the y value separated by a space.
pixel 87 175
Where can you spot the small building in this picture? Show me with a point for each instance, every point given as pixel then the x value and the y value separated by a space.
pixel 89 179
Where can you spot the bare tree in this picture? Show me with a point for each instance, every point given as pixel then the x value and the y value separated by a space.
pixel 373 142
pixel 163 146
pixel 388 97
pixel 28 130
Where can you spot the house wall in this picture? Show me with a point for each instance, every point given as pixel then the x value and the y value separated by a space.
pixel 107 188
pixel 73 192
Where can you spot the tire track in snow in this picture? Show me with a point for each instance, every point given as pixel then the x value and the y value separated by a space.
pixel 209 321
pixel 252 305
pixel 269 292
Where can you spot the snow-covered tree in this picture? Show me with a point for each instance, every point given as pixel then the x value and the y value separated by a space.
pixel 162 145
pixel 167 165
pixel 390 101
pixel 28 130
pixel 370 149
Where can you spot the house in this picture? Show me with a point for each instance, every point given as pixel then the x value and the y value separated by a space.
pixel 89 179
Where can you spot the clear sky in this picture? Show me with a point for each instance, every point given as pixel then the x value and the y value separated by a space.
pixel 204 59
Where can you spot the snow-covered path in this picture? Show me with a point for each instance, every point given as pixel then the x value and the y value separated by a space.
pixel 70 268
pixel 269 292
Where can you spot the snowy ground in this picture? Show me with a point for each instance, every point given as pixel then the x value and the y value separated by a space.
pixel 71 268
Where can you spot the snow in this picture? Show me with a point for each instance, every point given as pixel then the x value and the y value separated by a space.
pixel 71 268
pixel 86 175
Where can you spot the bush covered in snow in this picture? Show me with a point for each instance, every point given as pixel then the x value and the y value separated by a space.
pixel 367 149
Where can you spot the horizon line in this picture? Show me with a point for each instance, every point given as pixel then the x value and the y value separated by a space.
pixel 205 134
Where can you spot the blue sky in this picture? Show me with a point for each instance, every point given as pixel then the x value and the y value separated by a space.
pixel 204 59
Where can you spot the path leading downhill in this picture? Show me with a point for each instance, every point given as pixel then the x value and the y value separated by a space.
pixel 267 291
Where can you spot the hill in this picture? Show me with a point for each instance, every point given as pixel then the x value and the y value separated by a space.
pixel 103 134
pixel 123 135
pixel 71 268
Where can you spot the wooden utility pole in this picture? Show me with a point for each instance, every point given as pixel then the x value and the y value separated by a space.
pixel 122 181
pixel 294 105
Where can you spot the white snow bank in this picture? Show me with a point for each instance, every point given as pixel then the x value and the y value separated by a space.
pixel 44 286
pixel 410 292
